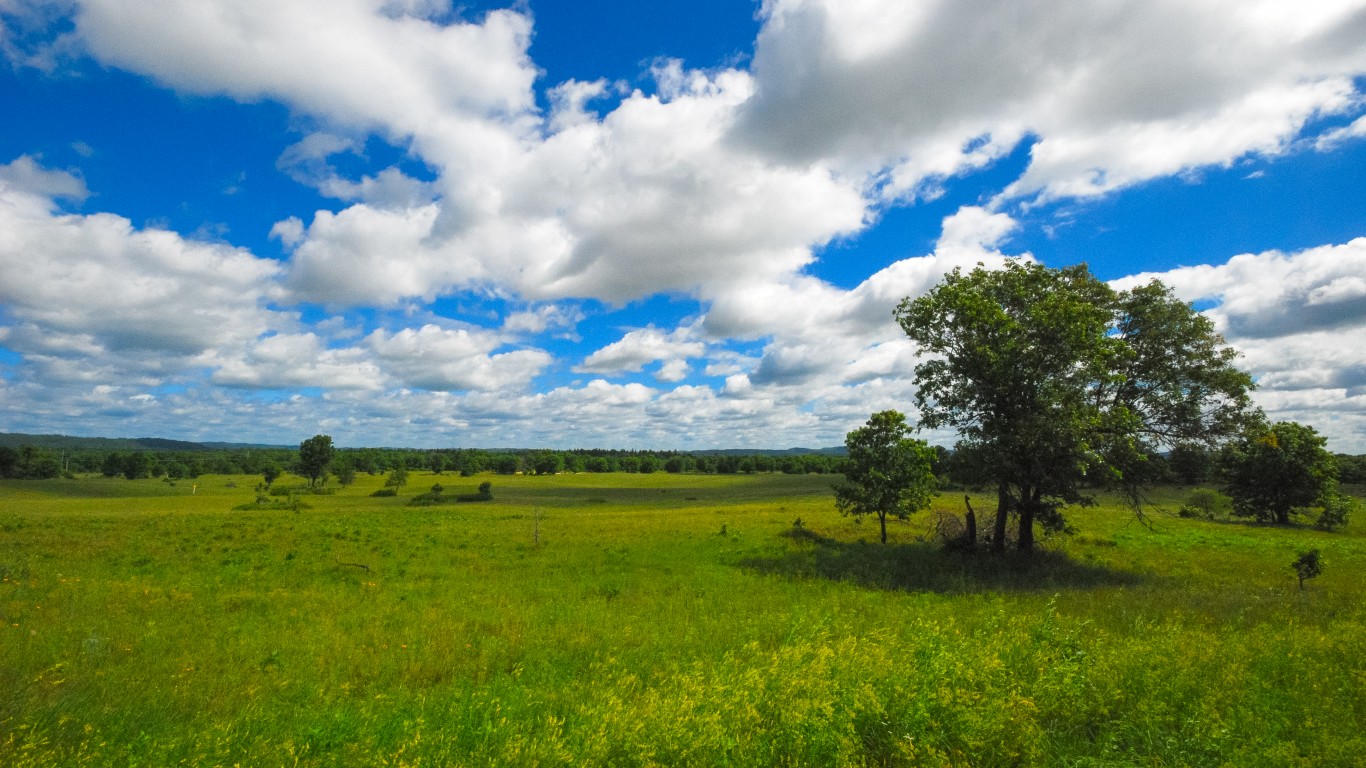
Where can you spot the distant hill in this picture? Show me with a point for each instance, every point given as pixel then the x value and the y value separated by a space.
pixel 69 443
pixel 835 451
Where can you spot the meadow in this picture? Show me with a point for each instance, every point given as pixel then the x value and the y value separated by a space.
pixel 634 620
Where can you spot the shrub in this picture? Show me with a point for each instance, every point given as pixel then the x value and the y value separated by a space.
pixel 1206 504
pixel 385 492
pixel 434 496
pixel 1337 507
pixel 485 493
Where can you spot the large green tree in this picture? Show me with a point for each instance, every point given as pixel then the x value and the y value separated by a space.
pixel 1057 382
pixel 1272 471
pixel 315 456
pixel 889 473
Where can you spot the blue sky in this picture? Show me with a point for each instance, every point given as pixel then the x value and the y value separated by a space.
pixel 408 222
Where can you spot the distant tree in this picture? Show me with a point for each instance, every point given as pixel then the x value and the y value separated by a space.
pixel 346 472
pixel 505 464
pixel 137 465
pixel 1061 382
pixel 1190 463
pixel 888 473
pixel 650 464
pixel 270 473
pixel 315 456
pixel 629 464
pixel 675 465
pixel 548 463
pixel 436 462
pixel 1351 469
pixel 112 465
pixel 9 463
pixel 398 477
pixel 598 464
pixel 1273 472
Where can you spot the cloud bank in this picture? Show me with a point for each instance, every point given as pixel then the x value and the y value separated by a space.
pixel 719 188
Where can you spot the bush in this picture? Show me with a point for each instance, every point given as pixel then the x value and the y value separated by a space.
pixel 485 493
pixel 434 496
pixel 1337 507
pixel 1206 504
pixel 385 492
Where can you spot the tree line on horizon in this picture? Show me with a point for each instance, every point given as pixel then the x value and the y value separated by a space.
pixel 35 462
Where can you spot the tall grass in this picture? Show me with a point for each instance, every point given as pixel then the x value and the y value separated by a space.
pixel 659 620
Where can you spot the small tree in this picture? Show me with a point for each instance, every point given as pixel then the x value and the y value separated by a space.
pixel 398 477
pixel 1307 566
pixel 888 471
pixel 315 456
pixel 1272 472
pixel 270 473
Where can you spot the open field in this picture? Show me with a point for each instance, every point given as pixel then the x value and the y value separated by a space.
pixel 660 620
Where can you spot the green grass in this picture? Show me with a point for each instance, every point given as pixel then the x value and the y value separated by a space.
pixel 146 626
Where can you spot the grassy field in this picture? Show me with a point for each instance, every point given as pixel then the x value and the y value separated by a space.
pixel 654 620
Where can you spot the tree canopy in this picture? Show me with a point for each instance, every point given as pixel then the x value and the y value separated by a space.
pixel 1059 382
pixel 1273 471
pixel 888 473
pixel 315 456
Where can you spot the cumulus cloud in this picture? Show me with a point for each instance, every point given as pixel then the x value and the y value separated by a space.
pixel 1275 294
pixel 640 347
pixel 288 360
pixel 443 359
pixel 1293 316
pixel 92 295
pixel 25 175
pixel 1114 93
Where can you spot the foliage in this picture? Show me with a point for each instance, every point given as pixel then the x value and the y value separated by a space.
pixel 1206 504
pixel 1059 382
pixel 1190 463
pixel 270 473
pixel 1274 472
pixel 888 473
pixel 485 493
pixel 434 496
pixel 1307 566
pixel 1337 508
pixel 398 477
pixel 315 457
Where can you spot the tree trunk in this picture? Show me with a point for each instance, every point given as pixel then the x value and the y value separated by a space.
pixel 998 536
pixel 1029 504
pixel 971 534
pixel 882 518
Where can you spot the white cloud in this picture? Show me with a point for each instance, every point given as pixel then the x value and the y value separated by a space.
pixel 282 361
pixel 642 346
pixel 1115 92
pixel 1295 318
pixel 92 296
pixel 673 371
pixel 443 359
pixel 25 175
pixel 1275 294
pixel 542 318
